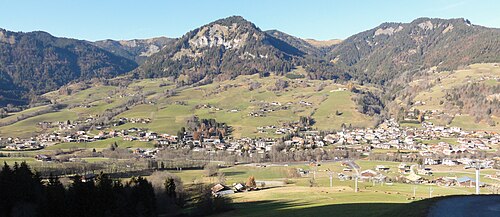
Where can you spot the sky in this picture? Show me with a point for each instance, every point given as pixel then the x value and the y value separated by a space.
pixel 318 19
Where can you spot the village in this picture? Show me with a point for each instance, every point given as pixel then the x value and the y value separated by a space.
pixel 434 144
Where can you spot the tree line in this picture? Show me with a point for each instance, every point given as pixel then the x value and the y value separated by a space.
pixel 24 193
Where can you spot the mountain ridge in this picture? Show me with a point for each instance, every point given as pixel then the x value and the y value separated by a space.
pixel 36 62
pixel 137 50
pixel 233 46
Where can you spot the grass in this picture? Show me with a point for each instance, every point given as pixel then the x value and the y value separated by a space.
pixel 29 127
pixel 102 144
pixel 468 123
pixel 300 200
pixel 11 160
pixel 168 115
pixel 339 101
pixel 305 201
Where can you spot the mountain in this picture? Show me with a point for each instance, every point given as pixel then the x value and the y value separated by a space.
pixel 383 53
pixel 298 43
pixel 36 62
pixel 221 50
pixel 391 53
pixel 137 50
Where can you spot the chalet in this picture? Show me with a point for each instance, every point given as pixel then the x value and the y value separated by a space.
pixel 381 168
pixel 413 178
pixel 152 135
pixel 425 171
pixel 403 168
pixel 449 162
pixel 430 161
pixel 239 187
pixel 162 142
pixel 368 174
pixel 466 182
pixel 220 190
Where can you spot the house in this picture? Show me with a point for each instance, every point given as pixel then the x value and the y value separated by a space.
pixel 368 174
pixel 381 168
pixel 239 187
pixel 220 190
pixel 430 161
pixel 465 182
pixel 403 168
pixel 449 162
pixel 425 171
pixel 413 178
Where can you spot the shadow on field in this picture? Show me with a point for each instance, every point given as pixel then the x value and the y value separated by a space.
pixel 235 173
pixel 273 208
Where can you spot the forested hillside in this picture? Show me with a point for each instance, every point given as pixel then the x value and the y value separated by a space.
pixel 37 62
pixel 390 50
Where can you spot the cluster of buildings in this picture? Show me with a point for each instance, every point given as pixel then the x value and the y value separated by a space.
pixel 436 144
pixel 426 140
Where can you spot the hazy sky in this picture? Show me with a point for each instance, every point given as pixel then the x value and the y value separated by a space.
pixel 321 19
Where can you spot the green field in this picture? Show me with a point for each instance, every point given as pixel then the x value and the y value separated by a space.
pixel 102 144
pixel 29 127
pixel 168 114
pixel 298 199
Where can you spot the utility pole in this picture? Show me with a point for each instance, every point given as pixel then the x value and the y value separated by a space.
pixel 356 184
pixel 330 174
pixel 477 177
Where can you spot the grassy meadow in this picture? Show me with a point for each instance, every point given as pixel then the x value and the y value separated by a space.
pixel 298 199
pixel 229 101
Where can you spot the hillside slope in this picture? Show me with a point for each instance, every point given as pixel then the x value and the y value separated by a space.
pixel 251 105
pixel 37 62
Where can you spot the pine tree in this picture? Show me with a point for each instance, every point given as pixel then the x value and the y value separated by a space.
pixel 170 188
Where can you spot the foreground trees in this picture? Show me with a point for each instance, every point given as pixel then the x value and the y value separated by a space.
pixel 24 193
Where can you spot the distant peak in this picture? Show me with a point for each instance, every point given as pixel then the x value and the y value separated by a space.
pixel 233 19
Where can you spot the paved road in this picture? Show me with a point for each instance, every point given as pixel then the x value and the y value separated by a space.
pixel 467 206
